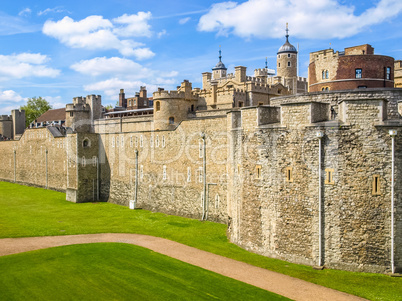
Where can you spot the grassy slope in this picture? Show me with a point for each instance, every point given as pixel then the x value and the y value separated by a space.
pixel 114 272
pixel 26 211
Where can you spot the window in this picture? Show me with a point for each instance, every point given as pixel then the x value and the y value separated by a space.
pixel 279 65
pixel 258 171
pixel 388 73
pixel 131 141
pixel 329 176
pixel 279 56
pixel 288 64
pixel 217 199
pixel 117 141
pixel 325 89
pixel 240 104
pixel 260 103
pixel 112 141
pixel 326 74
pixel 141 141
pixel 171 120
pixel 136 141
pixel 151 141
pixel 163 141
pixel 157 141
pixel 362 87
pixel 157 106
pixel 94 160
pixel 84 162
pixel 323 74
pixel 71 114
pixel 289 174
pixel 288 54
pixel 188 174
pixel 141 171
pixel 376 185
pixel 164 172
pixel 122 141
pixel 358 73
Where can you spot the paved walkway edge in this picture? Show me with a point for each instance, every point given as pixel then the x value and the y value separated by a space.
pixel 287 286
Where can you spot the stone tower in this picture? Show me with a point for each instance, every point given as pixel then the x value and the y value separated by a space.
pixel 220 70
pixel 287 59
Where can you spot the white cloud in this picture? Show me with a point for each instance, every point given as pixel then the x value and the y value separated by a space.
pixel 184 20
pixel 10 25
pixel 114 65
pixel 307 19
pixel 25 12
pixel 111 87
pixel 161 33
pixel 57 9
pixel 97 33
pixel 25 65
pixel 56 101
pixel 8 96
pixel 133 25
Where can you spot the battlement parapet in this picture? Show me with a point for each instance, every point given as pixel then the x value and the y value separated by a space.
pixel 163 95
pixel 77 107
pixel 5 117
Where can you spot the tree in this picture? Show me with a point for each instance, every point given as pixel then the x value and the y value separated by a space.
pixel 109 107
pixel 34 108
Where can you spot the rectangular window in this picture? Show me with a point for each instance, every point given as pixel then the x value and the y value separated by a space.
pixel 122 141
pixel 329 176
pixel 117 141
pixel 94 160
pixel 141 171
pixel 151 141
pixel 358 73
pixel 131 141
pixel 258 171
pixel 136 141
pixel 376 185
pixel 157 141
pixel 388 73
pixel 112 141
pixel 288 64
pixel 164 172
pixel 163 141
pixel 188 174
pixel 289 174
pixel 141 141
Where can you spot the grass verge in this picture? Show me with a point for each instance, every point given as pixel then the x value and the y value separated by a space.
pixel 27 211
pixel 115 271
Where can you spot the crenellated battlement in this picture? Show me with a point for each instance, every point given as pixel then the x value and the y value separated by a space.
pixel 6 118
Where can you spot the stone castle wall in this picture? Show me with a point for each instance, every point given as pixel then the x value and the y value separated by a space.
pixel 40 159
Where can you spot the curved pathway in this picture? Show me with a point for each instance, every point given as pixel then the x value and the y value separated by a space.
pixel 287 286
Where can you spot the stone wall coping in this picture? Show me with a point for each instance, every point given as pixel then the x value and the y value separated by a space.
pixel 390 123
pixel 303 103
pixel 277 125
pixel 362 99
pixel 357 91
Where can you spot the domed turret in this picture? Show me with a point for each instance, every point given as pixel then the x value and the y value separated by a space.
pixel 287 59
pixel 220 70
pixel 287 47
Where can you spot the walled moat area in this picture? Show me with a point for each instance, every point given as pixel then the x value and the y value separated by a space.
pixel 307 178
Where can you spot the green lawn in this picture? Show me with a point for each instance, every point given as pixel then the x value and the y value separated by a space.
pixel 27 211
pixel 114 271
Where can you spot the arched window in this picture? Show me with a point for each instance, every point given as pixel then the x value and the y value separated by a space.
pixel 326 74
pixel 323 74
pixel 157 106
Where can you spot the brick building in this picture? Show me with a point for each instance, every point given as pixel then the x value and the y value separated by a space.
pixel 355 67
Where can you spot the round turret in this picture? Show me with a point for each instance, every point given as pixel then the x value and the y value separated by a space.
pixel 220 70
pixel 287 58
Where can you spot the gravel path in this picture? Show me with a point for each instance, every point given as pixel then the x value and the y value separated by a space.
pixel 287 286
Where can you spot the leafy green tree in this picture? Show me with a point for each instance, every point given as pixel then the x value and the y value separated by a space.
pixel 109 107
pixel 35 107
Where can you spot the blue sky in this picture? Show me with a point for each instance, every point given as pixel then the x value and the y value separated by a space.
pixel 63 49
